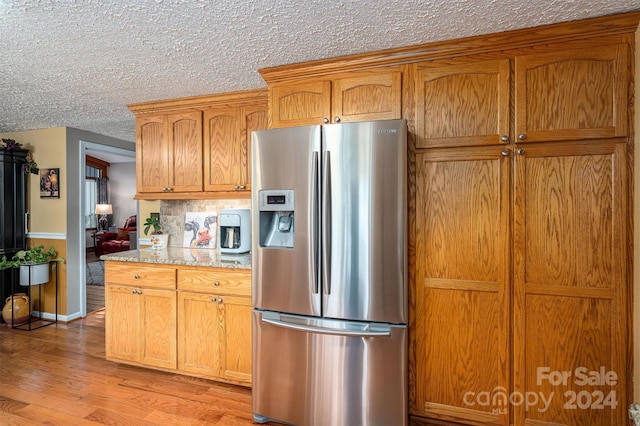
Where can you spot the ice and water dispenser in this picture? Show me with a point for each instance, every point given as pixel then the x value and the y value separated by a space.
pixel 276 218
pixel 235 231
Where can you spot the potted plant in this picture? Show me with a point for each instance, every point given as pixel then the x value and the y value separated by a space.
pixel 157 237
pixel 33 264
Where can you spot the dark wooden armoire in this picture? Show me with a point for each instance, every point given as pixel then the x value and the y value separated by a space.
pixel 13 211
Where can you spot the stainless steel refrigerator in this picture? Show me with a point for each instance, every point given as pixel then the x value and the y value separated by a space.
pixel 329 274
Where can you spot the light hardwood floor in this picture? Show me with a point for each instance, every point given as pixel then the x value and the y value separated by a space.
pixel 58 375
pixel 95 293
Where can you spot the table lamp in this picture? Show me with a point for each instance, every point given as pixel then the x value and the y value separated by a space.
pixel 103 210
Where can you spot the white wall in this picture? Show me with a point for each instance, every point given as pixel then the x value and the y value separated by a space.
pixel 122 189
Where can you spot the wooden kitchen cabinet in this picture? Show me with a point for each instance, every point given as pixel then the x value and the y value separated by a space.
pixel 463 295
pixel 214 317
pixel 140 324
pixel 169 152
pixel 227 145
pixel 197 147
pixel 572 94
pixel 191 320
pixel 524 244
pixel 462 105
pixel 358 96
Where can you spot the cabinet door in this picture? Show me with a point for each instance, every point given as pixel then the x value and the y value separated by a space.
pixel 462 105
pixel 157 327
pixel 235 342
pixel 570 95
pixel 570 283
pixel 122 324
pixel 253 118
pixel 222 149
pixel 151 154
pixel 198 334
pixel 460 346
pixel 185 151
pixel 372 96
pixel 299 104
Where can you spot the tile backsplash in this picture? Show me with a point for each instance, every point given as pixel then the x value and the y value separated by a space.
pixel 172 214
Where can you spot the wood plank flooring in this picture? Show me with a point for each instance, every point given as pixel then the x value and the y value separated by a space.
pixel 58 375
pixel 95 298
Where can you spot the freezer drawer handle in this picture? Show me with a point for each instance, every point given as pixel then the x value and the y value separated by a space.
pixel 333 331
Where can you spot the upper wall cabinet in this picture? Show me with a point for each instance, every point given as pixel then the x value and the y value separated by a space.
pixel 197 148
pixel 227 146
pixel 360 96
pixel 169 152
pixel 461 105
pixel 570 95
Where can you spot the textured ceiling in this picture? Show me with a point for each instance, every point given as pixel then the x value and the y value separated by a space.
pixel 78 63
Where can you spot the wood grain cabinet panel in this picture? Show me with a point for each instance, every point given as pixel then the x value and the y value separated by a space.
pixel 191 320
pixel 571 95
pixel 199 334
pixel 523 246
pixel 227 146
pixel 358 96
pixel 299 104
pixel 169 152
pixel 462 105
pixel 141 325
pixel 214 317
pixel 570 280
pixel 462 293
pixel 198 147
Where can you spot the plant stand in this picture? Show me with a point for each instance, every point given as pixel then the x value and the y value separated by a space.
pixel 35 322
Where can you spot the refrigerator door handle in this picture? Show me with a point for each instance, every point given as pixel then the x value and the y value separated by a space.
pixel 326 224
pixel 381 332
pixel 315 229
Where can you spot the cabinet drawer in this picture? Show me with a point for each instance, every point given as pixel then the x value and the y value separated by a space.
pixel 215 281
pixel 140 275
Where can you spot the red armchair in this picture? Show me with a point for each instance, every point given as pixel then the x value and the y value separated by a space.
pixel 112 242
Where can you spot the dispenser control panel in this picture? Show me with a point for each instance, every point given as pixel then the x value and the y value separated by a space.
pixel 276 220
pixel 276 200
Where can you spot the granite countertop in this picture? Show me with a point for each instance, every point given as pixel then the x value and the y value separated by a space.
pixel 183 256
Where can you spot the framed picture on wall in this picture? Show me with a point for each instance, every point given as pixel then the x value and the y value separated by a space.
pixel 50 183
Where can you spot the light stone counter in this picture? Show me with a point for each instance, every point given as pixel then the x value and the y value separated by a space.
pixel 183 256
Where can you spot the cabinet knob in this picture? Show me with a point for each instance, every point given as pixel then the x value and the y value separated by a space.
pixel 504 138
pixel 134 291
pixel 325 120
pixel 522 136
pixel 235 187
pixel 242 187
pixel 164 189
pixel 136 276
pixel 520 151
pixel 336 119
pixel 219 299
pixel 139 291
pixel 169 189
pixel 504 153
pixel 213 299
pixel 216 283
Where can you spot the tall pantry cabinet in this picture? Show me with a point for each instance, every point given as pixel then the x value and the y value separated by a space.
pixel 522 289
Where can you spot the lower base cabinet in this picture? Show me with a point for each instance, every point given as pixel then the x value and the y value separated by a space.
pixel 217 341
pixel 141 325
pixel 197 323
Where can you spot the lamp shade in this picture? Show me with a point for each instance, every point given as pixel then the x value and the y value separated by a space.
pixel 104 209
